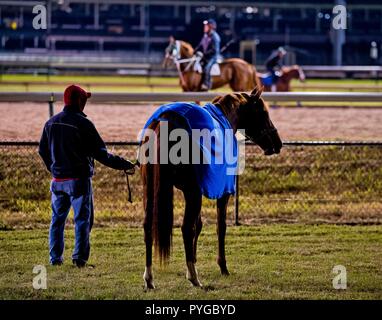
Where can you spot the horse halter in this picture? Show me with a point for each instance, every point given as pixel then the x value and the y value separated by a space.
pixel 174 54
pixel 263 134
pixel 174 51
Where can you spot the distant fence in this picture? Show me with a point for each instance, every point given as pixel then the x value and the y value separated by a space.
pixel 153 84
pixel 128 98
pixel 309 182
pixel 49 64
pixel 118 97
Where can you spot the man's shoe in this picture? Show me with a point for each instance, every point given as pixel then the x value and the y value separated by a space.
pixel 79 263
pixel 204 87
pixel 82 264
pixel 56 263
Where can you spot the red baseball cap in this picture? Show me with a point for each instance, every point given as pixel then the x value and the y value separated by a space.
pixel 76 96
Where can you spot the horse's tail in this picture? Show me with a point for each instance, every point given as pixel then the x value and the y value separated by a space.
pixel 162 209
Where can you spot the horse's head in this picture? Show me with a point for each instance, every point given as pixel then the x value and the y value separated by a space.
pixel 301 74
pixel 171 52
pixel 176 50
pixel 296 72
pixel 252 118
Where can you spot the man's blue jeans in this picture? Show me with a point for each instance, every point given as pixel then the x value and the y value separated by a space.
pixel 79 194
pixel 207 72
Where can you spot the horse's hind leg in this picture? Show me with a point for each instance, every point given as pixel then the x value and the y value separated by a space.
pixel 221 230
pixel 147 225
pixel 148 275
pixel 189 231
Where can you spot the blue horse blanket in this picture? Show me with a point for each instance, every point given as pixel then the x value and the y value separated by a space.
pixel 217 177
pixel 267 79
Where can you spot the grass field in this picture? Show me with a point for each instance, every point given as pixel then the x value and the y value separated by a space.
pixel 268 259
pixel 266 262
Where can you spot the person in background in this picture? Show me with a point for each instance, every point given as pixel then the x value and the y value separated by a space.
pixel 273 64
pixel 68 146
pixel 210 48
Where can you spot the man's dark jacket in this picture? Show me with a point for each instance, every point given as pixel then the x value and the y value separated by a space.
pixel 70 143
pixel 210 45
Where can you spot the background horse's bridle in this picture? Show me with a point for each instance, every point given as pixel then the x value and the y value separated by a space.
pixel 174 54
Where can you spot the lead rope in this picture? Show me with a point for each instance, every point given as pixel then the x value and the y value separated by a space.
pixel 127 173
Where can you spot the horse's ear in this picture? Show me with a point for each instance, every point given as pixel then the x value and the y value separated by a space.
pixel 246 96
pixel 217 99
pixel 256 92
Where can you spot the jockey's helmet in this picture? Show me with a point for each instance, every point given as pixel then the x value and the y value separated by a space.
pixel 210 22
pixel 282 50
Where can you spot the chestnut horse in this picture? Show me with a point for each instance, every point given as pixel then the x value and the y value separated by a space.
pixel 240 75
pixel 243 111
pixel 287 74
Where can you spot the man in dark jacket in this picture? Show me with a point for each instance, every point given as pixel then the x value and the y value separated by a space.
pixel 210 47
pixel 69 144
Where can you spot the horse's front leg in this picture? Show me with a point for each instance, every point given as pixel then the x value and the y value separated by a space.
pixel 221 230
pixel 198 230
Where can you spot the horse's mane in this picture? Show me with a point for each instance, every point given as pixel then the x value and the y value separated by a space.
pixel 232 101
pixel 295 67
pixel 185 46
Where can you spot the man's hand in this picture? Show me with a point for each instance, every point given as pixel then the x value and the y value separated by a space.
pixel 130 167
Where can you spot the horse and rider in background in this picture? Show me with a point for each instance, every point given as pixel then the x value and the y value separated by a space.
pixel 203 69
pixel 278 77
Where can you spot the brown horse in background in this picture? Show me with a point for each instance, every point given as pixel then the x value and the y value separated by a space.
pixel 243 111
pixel 287 74
pixel 240 75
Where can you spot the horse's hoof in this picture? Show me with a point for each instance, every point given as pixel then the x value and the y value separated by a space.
pixel 224 272
pixel 149 285
pixel 148 278
pixel 195 282
pixel 223 269
pixel 192 275
pixel 223 266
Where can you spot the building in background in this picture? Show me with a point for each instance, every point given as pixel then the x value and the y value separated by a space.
pixel 138 31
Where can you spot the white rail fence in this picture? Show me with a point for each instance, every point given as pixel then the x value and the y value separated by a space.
pixel 128 98
pixel 115 97
pixel 52 64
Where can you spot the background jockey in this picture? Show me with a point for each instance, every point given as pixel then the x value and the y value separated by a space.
pixel 210 47
pixel 274 62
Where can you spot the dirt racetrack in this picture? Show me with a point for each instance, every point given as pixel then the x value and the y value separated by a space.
pixel 24 122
